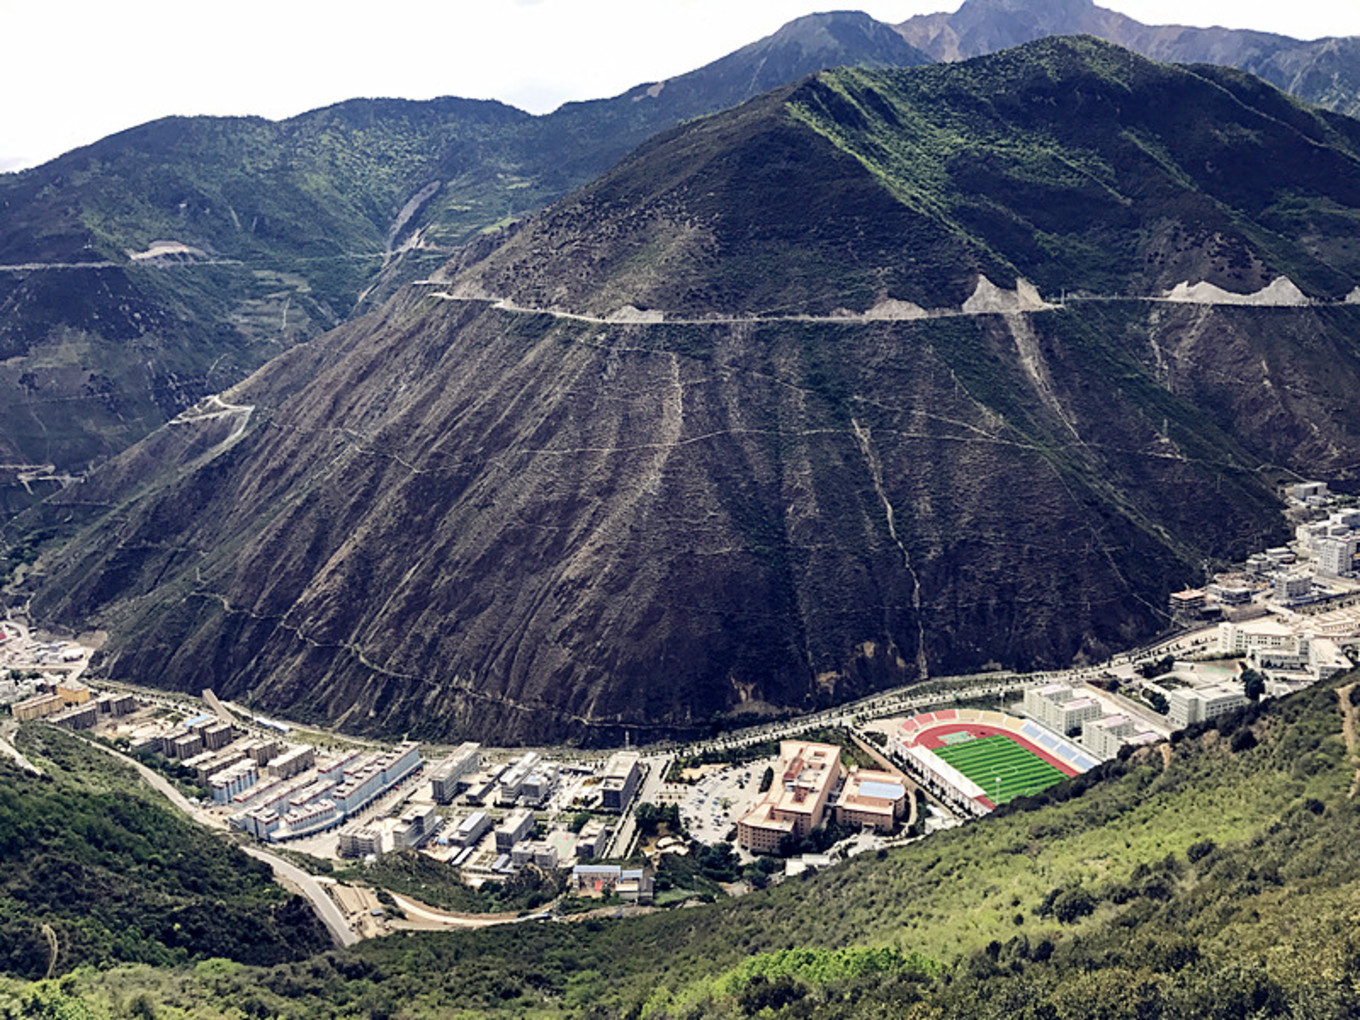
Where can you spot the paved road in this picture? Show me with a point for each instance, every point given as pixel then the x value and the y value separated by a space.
pixel 286 874
pixel 1010 304
pixel 162 785
pixel 418 912
pixel 291 876
pixel 6 735
pixel 648 792
pixel 909 697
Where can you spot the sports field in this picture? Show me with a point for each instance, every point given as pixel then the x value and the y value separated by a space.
pixel 985 760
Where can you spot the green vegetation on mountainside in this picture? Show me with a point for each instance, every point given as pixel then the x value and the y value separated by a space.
pixel 281 230
pixel 1213 877
pixel 117 877
pixel 1071 161
pixel 435 883
pixel 1325 71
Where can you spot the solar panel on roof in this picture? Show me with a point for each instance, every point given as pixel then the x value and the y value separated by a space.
pixel 884 791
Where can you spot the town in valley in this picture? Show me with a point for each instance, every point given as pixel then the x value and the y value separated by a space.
pixel 598 830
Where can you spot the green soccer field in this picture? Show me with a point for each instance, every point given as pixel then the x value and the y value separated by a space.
pixel 986 760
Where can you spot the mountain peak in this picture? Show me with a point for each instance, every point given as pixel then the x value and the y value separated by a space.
pixel 1033 7
pixel 825 21
pixel 815 42
pixel 1324 71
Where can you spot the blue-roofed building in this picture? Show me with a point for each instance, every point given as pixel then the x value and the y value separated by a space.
pixel 872 799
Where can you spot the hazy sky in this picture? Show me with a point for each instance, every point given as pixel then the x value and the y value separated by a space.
pixel 73 71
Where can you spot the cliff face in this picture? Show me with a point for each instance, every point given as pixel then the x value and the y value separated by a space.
pixel 768 417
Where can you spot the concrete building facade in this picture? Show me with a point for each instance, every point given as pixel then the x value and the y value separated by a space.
pixel 1200 704
pixel 293 761
pixel 796 802
pixel 40 706
pixel 516 827
pixel 448 778
pixel 1105 736
pixel 872 799
pixel 78 717
pixel 1060 707
pixel 1268 633
pixel 621 778
pixel 471 829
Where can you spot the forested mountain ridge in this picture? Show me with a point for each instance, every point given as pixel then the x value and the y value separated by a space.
pixel 787 407
pixel 100 872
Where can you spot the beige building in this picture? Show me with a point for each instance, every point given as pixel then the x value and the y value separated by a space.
pixel 73 692
pixel 38 707
pixel 796 802
pixel 872 799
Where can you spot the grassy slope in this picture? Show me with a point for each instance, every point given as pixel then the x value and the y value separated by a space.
pixel 293 215
pixel 119 877
pixel 1259 915
pixel 1068 160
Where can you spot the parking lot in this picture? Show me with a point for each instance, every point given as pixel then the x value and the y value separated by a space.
pixel 711 808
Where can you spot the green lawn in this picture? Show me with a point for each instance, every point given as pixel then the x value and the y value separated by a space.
pixel 987 759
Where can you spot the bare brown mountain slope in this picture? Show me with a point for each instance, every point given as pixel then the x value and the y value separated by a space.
pixel 457 516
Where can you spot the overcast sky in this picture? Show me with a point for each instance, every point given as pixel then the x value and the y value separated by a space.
pixel 73 71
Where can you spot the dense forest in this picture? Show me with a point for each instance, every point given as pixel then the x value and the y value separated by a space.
pixel 96 871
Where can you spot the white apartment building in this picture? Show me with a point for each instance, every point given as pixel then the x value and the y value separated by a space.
pixel 1305 491
pixel 1060 707
pixel 1293 585
pixel 1106 735
pixel 1200 704
pixel 1336 554
pixel 1265 633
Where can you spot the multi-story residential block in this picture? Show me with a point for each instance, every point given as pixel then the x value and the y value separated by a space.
pixel 621 778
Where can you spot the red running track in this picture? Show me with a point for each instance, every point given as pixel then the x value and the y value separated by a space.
pixel 931 739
